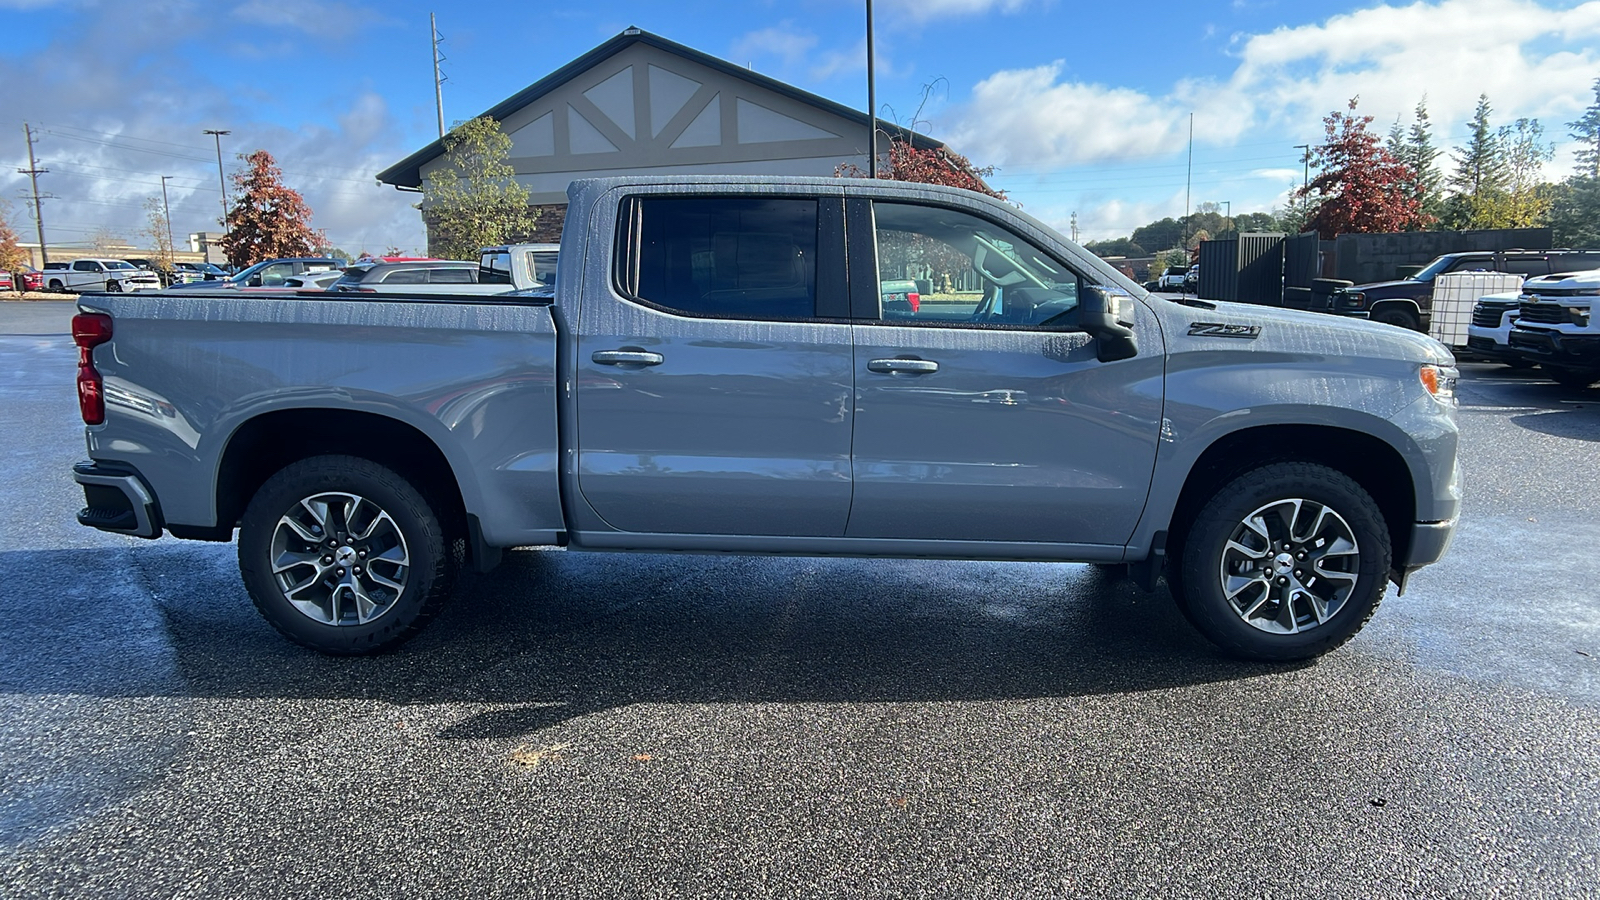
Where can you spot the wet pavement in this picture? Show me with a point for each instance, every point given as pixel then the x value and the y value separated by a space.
pixel 652 725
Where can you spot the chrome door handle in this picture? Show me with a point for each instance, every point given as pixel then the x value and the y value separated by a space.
pixel 902 366
pixel 627 358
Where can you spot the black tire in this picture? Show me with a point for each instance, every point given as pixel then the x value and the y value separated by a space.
pixel 423 541
pixel 56 287
pixel 1573 376
pixel 1520 363
pixel 1399 318
pixel 113 287
pixel 1200 592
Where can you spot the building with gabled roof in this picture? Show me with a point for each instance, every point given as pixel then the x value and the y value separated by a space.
pixel 641 104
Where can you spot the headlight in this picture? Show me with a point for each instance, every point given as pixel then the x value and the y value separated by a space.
pixel 1355 299
pixel 1440 382
pixel 1579 315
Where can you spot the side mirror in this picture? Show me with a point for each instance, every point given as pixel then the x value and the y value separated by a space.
pixel 1099 316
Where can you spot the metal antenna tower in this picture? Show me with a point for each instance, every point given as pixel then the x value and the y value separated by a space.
pixel 438 79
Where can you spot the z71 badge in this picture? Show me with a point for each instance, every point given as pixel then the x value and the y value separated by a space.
pixel 1220 329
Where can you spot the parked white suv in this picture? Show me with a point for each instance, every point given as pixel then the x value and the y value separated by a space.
pixel 1172 278
pixel 522 266
pixel 101 275
pixel 1555 327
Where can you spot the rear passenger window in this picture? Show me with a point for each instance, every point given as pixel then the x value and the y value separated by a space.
pixel 406 276
pixel 494 268
pixel 742 258
pixel 453 276
pixel 1527 267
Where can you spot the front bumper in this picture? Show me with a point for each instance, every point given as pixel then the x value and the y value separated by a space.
pixel 116 499
pixel 1556 346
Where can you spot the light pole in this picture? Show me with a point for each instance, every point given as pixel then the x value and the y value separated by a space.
pixel 221 182
pixel 872 105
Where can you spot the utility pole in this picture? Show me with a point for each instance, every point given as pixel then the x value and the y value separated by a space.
pixel 166 213
pixel 872 104
pixel 1305 177
pixel 1187 185
pixel 220 181
pixel 438 80
pixel 33 172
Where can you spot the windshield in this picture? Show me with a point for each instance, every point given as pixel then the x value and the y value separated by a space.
pixel 119 264
pixel 1432 269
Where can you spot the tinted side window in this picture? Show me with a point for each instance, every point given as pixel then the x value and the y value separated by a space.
pixel 405 276
pixel 83 266
pixel 494 268
pixel 452 276
pixel 740 258
pixel 1527 267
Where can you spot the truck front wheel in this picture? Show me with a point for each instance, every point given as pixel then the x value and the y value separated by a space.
pixel 344 556
pixel 1285 562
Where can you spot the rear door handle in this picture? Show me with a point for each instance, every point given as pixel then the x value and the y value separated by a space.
pixel 627 358
pixel 902 366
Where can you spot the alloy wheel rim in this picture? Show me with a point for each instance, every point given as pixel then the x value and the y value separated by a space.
pixel 339 559
pixel 1290 566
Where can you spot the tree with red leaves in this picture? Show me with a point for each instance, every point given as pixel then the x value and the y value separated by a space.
pixel 934 165
pixel 1360 186
pixel 268 220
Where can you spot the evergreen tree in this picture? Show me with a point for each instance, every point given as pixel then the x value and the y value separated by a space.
pixel 267 219
pixel 1575 203
pixel 474 199
pixel 1414 147
pixel 1479 182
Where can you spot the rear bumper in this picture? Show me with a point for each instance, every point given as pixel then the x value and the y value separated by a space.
pixel 116 499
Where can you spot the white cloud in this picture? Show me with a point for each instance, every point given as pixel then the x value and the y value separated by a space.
pixel 928 10
pixel 109 132
pixel 325 18
pixel 1531 61
pixel 781 45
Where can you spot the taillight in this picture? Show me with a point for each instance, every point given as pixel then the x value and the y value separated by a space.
pixel 90 330
pixel 915 299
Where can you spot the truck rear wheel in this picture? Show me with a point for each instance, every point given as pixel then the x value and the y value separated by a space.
pixel 344 556
pixel 1285 562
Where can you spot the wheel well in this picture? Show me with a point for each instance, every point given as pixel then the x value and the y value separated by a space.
pixel 267 443
pixel 1375 465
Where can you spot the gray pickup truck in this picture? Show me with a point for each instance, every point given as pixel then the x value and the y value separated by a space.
pixel 717 371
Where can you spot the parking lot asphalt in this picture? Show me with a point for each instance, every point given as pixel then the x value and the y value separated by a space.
pixel 652 725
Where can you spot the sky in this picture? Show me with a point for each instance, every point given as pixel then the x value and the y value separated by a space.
pixel 1083 109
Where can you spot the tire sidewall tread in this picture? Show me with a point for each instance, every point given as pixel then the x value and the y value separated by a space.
pixel 429 580
pixel 1200 595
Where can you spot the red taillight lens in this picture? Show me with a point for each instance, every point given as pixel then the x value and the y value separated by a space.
pixel 915 299
pixel 90 330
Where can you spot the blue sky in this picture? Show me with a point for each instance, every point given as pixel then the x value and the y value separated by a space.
pixel 1084 108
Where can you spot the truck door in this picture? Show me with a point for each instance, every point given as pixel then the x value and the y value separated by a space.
pixel 714 367
pixel 982 414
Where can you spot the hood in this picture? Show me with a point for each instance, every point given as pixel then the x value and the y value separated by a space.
pixel 1568 284
pixel 1293 331
pixel 1372 285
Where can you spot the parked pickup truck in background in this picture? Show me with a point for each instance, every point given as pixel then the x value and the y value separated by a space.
pixel 111 275
pixel 1408 302
pixel 717 371
pixel 522 266
pixel 1557 329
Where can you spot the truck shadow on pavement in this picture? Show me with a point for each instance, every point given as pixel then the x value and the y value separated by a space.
pixel 551 636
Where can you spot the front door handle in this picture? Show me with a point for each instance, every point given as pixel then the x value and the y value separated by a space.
pixel 903 366
pixel 627 358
